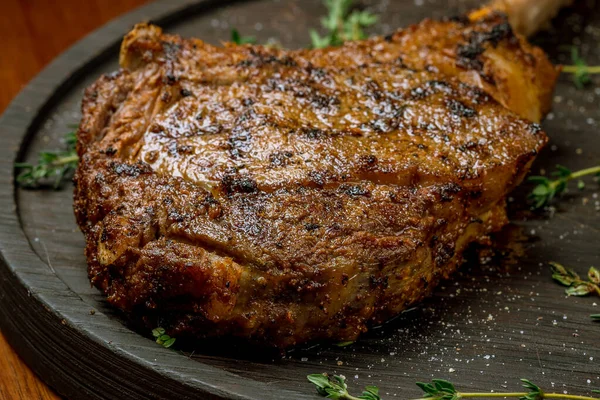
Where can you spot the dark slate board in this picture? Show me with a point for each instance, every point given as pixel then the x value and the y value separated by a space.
pixel 501 317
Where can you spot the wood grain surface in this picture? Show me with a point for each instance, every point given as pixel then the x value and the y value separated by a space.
pixel 33 32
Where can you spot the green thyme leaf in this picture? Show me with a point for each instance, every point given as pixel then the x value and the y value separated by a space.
pixel 439 389
pixel 527 384
pixel 321 381
pixel 576 285
pixel 53 168
pixel 239 39
pixel 157 332
pixel 564 276
pixel 547 189
pixel 561 171
pixel 594 275
pixel 581 289
pixel 581 76
pixel 342 23
pixel 334 387
pixel 370 393
pixel 162 338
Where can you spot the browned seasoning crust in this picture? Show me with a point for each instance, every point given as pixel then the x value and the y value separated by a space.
pixel 287 196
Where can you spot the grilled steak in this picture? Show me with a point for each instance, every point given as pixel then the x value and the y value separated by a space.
pixel 287 196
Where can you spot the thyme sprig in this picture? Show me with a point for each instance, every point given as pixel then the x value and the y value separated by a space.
pixel 595 317
pixel 334 387
pixel 52 166
pixel 342 23
pixel 580 70
pixel 576 285
pixel 547 189
pixel 440 389
pixel 162 338
pixel 237 38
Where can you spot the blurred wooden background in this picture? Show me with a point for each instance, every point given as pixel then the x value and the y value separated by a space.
pixel 32 33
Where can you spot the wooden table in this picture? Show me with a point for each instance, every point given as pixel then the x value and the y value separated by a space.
pixel 33 32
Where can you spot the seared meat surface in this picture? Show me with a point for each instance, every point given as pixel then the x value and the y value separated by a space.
pixel 288 196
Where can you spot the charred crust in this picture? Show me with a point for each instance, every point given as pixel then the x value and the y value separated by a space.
pixel 469 146
pixel 461 19
pixel 367 163
pixel 169 79
pixel 323 102
pixel 260 58
pixel 475 194
pixel 313 133
pixel 110 151
pixel 99 178
pixel 376 282
pixel 444 253
pixel 468 54
pixel 239 141
pixel 354 190
pixel 232 184
pixel 460 109
pixel 431 87
pixel 535 128
pixel 130 170
pixel 170 49
pixel 317 177
pixel 474 94
pixel 448 191
pixel 345 279
pixel 175 216
pixel 311 226
pixel 280 158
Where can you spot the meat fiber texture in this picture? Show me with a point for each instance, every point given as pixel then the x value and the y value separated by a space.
pixel 281 197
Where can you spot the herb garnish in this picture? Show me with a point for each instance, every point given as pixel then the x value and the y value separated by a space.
pixel 53 166
pixel 344 344
pixel 440 389
pixel 547 188
pixel 576 285
pixel 334 387
pixel 342 24
pixel 595 317
pixel 580 70
pixel 239 39
pixel 162 338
